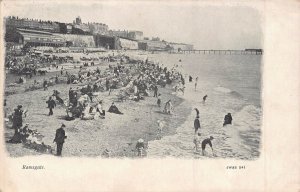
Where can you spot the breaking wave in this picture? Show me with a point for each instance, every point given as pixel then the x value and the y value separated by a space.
pixel 241 140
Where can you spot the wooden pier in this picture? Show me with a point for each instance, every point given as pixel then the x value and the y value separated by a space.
pixel 224 52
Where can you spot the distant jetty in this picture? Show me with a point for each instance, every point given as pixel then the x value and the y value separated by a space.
pixel 225 52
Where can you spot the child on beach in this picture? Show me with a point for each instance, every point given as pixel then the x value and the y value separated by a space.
pixel 161 124
pixel 100 110
pixel 106 153
pixel 140 147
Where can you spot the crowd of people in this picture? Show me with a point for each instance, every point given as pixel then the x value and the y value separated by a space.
pixel 30 62
pixel 133 82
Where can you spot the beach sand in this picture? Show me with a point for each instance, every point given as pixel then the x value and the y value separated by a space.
pixel 117 133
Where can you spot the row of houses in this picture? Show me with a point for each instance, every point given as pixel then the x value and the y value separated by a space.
pixel 30 32
pixel 77 27
pixel 30 38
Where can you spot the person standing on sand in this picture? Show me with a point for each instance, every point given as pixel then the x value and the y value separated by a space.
pixel 155 91
pixel 56 79
pixel 17 118
pixel 196 83
pixel 45 85
pixel 197 124
pixel 71 94
pixel 60 137
pixel 159 100
pixel 51 104
pixel 205 142
pixel 182 79
pixel 107 84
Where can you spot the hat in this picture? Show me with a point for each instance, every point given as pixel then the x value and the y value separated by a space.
pixel 140 141
pixel 27 124
pixel 20 106
pixel 63 125
pixel 211 137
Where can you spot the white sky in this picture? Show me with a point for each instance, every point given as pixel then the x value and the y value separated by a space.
pixel 206 26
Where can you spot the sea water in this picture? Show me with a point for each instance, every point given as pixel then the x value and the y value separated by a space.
pixel 233 85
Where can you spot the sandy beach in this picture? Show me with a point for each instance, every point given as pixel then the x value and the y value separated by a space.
pixel 117 133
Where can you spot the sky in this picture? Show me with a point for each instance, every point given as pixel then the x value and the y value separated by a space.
pixel 213 26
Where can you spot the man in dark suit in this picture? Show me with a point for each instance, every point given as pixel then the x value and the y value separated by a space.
pixel 17 118
pixel 60 137
pixel 51 104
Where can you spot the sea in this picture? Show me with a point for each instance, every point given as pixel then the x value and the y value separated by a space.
pixel 233 85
